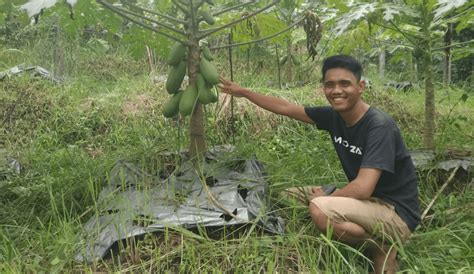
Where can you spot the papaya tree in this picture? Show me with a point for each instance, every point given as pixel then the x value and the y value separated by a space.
pixel 289 12
pixel 188 23
pixel 419 22
pixel 190 56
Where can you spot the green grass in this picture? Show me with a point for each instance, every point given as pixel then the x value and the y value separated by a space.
pixel 67 137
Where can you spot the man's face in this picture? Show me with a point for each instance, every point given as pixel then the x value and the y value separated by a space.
pixel 342 89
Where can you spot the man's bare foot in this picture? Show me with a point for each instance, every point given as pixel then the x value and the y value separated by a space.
pixel 383 262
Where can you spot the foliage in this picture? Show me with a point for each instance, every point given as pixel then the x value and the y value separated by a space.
pixel 256 27
pixel 68 137
pixel 418 22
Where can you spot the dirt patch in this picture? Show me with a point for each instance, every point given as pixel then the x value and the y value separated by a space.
pixel 139 105
pixel 109 67
pixel 23 105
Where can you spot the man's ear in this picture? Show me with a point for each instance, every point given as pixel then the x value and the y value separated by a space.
pixel 362 85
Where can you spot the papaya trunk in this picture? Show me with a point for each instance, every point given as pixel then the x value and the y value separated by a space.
pixel 412 68
pixel 58 51
pixel 289 62
pixel 197 144
pixel 448 39
pixel 382 63
pixel 428 138
pixel 429 131
pixel 196 130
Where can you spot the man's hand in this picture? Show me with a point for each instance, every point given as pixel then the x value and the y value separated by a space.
pixel 317 192
pixel 231 88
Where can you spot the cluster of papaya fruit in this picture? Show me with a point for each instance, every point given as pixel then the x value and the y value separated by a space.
pixel 201 91
pixel 296 61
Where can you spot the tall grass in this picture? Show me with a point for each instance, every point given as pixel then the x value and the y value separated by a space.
pixel 67 137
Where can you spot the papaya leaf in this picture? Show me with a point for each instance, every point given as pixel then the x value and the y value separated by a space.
pixel 444 6
pixel 465 21
pixel 462 52
pixel 358 13
pixel 6 7
pixel 34 7
pixel 269 24
pixel 390 11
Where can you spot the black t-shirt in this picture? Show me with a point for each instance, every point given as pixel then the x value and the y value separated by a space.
pixel 375 142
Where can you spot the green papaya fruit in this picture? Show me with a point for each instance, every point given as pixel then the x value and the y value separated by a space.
pixel 208 71
pixel 206 53
pixel 214 97
pixel 207 17
pixel 188 100
pixel 171 107
pixel 295 60
pixel 177 53
pixel 283 60
pixel 205 94
pixel 175 77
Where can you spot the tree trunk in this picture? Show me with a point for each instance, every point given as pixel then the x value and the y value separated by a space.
pixel 58 51
pixel 197 146
pixel 248 59
pixel 289 61
pixel 278 66
pixel 429 102
pixel 429 130
pixel 448 39
pixel 382 63
pixel 415 70
pixel 412 67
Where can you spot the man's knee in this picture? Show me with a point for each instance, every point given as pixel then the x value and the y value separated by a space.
pixel 319 218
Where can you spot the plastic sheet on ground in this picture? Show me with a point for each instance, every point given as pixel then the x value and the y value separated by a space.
pixel 228 192
pixel 32 70
pixel 429 159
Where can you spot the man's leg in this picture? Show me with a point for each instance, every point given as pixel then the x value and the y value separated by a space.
pixel 384 257
pixel 347 232
pixel 350 232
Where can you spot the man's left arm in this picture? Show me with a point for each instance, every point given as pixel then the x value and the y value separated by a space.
pixel 360 188
pixel 379 155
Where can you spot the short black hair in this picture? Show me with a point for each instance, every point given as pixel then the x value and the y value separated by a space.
pixel 345 62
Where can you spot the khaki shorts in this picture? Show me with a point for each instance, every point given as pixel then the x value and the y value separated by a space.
pixel 377 217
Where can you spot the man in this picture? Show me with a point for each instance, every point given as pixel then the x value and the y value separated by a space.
pixel 380 204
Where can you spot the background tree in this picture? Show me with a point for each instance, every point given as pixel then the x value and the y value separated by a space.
pixel 288 12
pixel 422 23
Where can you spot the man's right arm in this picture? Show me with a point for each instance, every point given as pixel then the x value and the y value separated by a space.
pixel 270 103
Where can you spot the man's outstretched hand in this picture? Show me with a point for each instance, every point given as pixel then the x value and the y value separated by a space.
pixel 231 88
